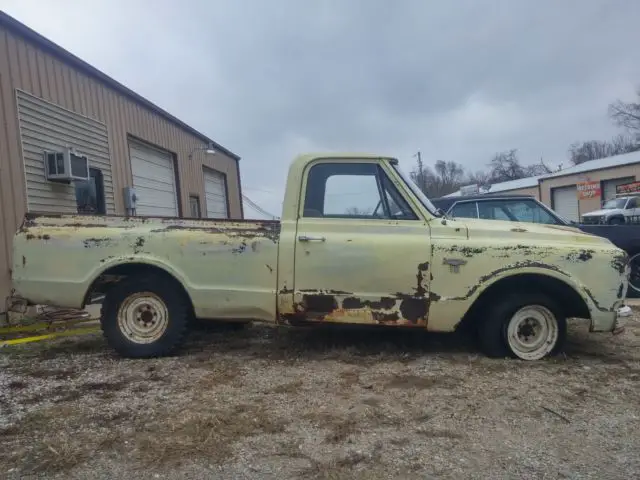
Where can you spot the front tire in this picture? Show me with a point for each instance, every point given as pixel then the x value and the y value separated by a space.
pixel 525 326
pixel 616 221
pixel 144 316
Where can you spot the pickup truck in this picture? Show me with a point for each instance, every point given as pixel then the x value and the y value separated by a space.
pixel 358 243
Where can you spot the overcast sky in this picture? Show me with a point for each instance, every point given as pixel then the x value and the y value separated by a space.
pixel 457 79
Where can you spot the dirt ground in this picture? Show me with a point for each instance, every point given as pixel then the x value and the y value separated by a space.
pixel 321 403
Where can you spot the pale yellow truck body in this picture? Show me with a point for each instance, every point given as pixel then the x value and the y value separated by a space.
pixel 416 269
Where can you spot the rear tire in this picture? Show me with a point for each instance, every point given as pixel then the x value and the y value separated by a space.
pixel 526 326
pixel 144 317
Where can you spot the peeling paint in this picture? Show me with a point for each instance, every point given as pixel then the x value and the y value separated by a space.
pixel 580 255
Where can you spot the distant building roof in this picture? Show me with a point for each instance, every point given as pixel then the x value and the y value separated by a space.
pixel 590 166
pixel 609 162
pixel 505 186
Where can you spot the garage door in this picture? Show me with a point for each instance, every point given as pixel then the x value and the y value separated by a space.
pixel 154 180
pixel 215 194
pixel 565 202
pixel 609 186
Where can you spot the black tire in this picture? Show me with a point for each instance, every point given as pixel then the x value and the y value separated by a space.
pixel 492 331
pixel 175 303
pixel 616 221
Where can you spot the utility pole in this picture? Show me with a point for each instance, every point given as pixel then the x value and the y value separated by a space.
pixel 420 177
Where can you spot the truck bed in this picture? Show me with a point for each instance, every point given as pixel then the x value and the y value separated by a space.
pixel 224 265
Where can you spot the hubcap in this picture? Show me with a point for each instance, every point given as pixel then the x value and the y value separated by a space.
pixel 143 317
pixel 532 332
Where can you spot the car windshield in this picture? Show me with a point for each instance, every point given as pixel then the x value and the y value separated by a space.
pixel 416 191
pixel 614 203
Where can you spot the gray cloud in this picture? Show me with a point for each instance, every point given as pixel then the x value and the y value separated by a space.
pixel 457 80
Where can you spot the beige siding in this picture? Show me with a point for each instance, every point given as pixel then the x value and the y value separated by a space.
pixel 59 85
pixel 46 126
pixel 591 204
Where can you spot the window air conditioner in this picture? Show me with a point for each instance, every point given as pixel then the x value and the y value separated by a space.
pixel 66 166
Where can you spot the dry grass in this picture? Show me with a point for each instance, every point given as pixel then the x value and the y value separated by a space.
pixel 208 436
pixel 320 403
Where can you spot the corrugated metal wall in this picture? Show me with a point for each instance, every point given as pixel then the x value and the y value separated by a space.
pixel 46 126
pixel 25 66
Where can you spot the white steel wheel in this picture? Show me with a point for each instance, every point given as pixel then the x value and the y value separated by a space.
pixel 532 332
pixel 143 317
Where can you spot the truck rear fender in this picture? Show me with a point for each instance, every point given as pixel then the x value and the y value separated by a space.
pixel 109 272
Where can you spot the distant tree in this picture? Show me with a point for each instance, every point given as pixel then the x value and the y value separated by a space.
pixel 595 149
pixel 505 166
pixel 480 178
pixel 627 115
pixel 446 177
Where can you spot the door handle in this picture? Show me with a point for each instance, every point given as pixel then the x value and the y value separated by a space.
pixel 305 238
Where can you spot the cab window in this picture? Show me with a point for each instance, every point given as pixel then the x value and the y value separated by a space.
pixel 353 190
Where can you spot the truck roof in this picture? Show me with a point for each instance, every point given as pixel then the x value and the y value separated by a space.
pixel 305 158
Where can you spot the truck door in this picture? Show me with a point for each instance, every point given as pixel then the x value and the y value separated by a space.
pixel 362 254
pixel 632 211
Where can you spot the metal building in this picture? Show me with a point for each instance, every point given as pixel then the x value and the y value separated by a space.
pixel 73 140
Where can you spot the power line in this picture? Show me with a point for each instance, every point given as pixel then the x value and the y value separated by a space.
pixel 257 207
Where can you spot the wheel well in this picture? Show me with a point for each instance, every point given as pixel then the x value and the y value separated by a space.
pixel 570 301
pixel 110 277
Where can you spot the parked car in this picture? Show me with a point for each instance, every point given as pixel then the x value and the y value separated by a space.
pixel 515 208
pixel 616 211
pixel 358 243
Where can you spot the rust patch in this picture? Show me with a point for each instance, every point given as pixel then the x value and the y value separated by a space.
pixel 519 230
pixel 240 248
pixel 24 261
pixel 139 243
pixel 385 303
pixel 270 231
pixel 619 263
pixel 269 267
pixel 581 256
pixel 466 251
pixel 97 242
pixel 319 303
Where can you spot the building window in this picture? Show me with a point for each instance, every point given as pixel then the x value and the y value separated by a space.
pixel 90 194
pixel 194 206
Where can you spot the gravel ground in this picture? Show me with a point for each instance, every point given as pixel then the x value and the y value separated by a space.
pixel 321 403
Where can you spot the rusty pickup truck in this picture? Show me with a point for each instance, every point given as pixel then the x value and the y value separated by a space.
pixel 358 243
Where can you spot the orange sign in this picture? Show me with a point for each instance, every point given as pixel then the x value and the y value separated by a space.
pixel 588 190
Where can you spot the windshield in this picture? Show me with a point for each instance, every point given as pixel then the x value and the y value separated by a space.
pixel 614 203
pixel 416 190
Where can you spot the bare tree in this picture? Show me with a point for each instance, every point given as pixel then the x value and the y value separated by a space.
pixel 627 115
pixel 506 166
pixel 480 178
pixel 446 177
pixel 595 149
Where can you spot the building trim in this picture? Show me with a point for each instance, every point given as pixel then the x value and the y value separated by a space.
pixel 50 47
pixel 585 172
